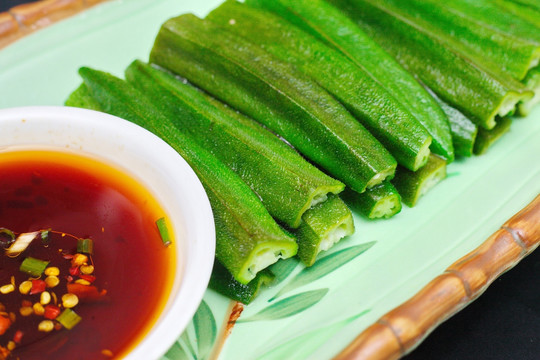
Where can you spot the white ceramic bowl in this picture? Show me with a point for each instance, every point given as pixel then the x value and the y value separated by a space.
pixel 156 166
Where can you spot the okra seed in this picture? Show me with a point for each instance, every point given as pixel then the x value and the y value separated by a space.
pixel 46 326
pixel 52 281
pixel 45 298
pixel 52 271
pixel 26 311
pixel 69 300
pixel 6 289
pixel 25 287
pixel 38 309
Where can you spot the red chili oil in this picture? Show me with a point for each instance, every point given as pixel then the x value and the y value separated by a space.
pixel 87 198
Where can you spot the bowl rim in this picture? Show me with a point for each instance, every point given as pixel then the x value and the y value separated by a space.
pixel 195 265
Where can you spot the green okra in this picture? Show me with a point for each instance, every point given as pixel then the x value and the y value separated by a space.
pixel 529 11
pixel 486 138
pixel 464 131
pixel 366 97
pixel 275 94
pixel 381 201
pixel 287 184
pixel 336 30
pixel 82 98
pixel 488 14
pixel 503 52
pixel 247 237
pixel 531 4
pixel 454 77
pixel 322 227
pixel 224 283
pixel 412 185
pixel 532 81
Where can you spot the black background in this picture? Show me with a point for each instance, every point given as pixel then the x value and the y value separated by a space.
pixel 504 323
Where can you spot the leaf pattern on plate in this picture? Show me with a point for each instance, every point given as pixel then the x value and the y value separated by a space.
pixel 177 352
pixel 302 346
pixel 204 325
pixel 205 329
pixel 323 267
pixel 289 306
pixel 284 268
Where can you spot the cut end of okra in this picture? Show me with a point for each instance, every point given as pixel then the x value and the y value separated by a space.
pixel 486 138
pixel 381 201
pixel 423 155
pixel 323 226
pixel 381 176
pixel 319 195
pixel 262 256
pixel 344 228
pixel 386 208
pixel 507 106
pixel 412 185
pixel 531 81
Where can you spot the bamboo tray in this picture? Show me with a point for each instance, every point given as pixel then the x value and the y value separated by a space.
pixel 389 285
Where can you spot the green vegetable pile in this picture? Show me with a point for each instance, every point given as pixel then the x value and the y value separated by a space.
pixel 281 106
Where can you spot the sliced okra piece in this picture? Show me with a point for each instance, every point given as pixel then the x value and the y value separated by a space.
pixel 486 138
pixel 381 201
pixel 412 185
pixel 322 227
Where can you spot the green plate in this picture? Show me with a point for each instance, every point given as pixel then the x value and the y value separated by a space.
pixel 316 313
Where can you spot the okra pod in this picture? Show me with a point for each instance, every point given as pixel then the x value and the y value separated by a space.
pixel 464 131
pixel 529 11
pixel 381 201
pixel 487 13
pixel 331 26
pixel 224 283
pixel 275 94
pixel 82 98
pixel 247 237
pixel 532 81
pixel 412 185
pixel 322 227
pixel 486 138
pixel 454 77
pixel 287 184
pixel 366 98
pixel 501 51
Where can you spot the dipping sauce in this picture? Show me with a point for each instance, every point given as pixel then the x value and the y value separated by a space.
pixel 85 198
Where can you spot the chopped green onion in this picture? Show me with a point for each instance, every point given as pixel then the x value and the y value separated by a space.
pixel 68 318
pixel 33 267
pixel 21 243
pixel 85 246
pixel 163 231
pixel 45 240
